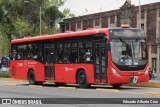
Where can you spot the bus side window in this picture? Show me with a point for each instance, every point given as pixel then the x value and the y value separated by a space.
pixel 22 52
pixel 14 53
pixel 67 52
pixel 73 55
pixel 85 51
pixel 59 55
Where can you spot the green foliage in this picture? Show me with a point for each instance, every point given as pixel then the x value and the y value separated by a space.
pixel 22 28
pixel 67 13
pixel 5 74
pixel 4 46
pixel 19 19
pixel 57 3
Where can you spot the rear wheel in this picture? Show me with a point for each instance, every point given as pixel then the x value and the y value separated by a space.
pixel 116 85
pixel 31 78
pixel 82 79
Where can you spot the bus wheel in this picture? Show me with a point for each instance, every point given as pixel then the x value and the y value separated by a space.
pixel 31 77
pixel 116 85
pixel 82 79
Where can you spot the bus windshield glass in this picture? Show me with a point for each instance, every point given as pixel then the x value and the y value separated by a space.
pixel 129 52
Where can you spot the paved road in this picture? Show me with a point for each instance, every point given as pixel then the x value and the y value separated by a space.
pixel 20 89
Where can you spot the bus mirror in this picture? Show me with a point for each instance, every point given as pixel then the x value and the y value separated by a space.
pixel 108 46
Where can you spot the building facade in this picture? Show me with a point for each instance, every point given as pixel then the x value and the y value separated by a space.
pixel 128 13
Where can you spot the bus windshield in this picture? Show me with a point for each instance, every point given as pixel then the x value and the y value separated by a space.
pixel 129 52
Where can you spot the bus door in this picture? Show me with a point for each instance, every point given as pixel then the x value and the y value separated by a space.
pixel 100 61
pixel 49 58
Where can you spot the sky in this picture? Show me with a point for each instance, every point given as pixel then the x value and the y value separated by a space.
pixel 84 7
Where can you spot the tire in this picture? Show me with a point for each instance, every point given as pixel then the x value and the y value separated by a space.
pixel 31 78
pixel 82 79
pixel 116 85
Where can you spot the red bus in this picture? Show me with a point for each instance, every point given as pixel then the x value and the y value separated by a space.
pixel 113 56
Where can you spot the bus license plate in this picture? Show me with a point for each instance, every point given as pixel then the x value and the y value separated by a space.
pixel 133 79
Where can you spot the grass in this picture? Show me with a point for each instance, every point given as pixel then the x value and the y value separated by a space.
pixel 4 74
pixel 145 84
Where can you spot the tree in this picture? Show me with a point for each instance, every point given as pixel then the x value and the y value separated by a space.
pixel 67 13
pixel 4 48
pixel 19 19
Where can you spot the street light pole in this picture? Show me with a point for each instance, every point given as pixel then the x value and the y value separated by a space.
pixel 40 18
pixel 139 14
pixel 40 21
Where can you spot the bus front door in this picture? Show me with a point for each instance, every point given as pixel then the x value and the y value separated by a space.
pixel 100 61
pixel 49 61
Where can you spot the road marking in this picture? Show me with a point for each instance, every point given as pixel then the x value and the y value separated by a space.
pixel 36 86
pixel 72 88
pixel 153 93
pixel 10 85
pixel 107 90
pixel 23 80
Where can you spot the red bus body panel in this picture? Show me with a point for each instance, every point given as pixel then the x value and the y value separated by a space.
pixel 19 69
pixel 67 72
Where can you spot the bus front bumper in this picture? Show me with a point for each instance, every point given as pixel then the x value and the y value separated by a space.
pixel 127 79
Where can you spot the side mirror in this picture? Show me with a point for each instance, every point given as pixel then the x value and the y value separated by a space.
pixel 108 46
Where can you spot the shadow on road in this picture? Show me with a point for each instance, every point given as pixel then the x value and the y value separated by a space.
pixel 93 87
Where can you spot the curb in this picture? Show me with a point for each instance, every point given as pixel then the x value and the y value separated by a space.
pixel 11 79
pixel 144 84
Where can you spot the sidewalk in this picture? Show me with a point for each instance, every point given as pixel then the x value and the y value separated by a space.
pixel 156 80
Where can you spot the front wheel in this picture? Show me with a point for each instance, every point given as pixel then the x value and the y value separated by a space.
pixel 82 80
pixel 116 85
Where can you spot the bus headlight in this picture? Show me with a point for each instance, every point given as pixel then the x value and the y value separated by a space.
pixel 147 70
pixel 115 72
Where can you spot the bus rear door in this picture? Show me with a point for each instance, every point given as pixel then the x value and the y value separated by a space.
pixel 100 61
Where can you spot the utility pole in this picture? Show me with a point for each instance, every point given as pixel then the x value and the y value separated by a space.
pixel 139 14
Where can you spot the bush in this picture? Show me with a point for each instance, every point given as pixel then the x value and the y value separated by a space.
pixel 5 74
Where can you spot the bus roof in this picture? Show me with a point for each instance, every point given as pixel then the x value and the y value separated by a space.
pixel 61 35
pixel 66 34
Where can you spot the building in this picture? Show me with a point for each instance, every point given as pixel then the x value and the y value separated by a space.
pixel 128 13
